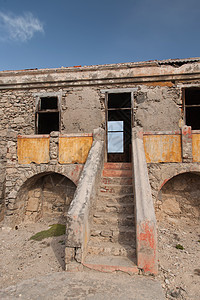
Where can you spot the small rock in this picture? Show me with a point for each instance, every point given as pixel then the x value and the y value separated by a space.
pixel 175 293
pixel 167 281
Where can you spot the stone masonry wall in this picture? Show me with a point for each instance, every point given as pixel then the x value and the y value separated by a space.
pixel 83 109
pixel 47 196
pixel 80 110
pixel 179 197
pixel 160 174
pixel 158 108
pixel 20 179
pixel 157 105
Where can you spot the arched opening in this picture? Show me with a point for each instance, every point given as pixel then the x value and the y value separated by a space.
pixel 44 196
pixel 178 211
pixel 180 197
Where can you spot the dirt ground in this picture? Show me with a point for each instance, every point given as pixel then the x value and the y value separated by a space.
pixel 22 258
pixel 179 270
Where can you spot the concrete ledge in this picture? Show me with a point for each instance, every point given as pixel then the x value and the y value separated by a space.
pixel 80 212
pixel 110 268
pixel 146 236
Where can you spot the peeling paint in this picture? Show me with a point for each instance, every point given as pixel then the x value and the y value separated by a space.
pixel 74 149
pixel 33 150
pixel 162 148
pixel 196 147
pixel 146 240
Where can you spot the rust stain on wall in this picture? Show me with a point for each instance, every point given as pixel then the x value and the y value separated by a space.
pixel 34 149
pixel 74 149
pixel 162 148
pixel 196 147
pixel 146 241
pixel 159 83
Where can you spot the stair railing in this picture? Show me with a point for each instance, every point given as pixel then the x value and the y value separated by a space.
pixel 79 216
pixel 146 233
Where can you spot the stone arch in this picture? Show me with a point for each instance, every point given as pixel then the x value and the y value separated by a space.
pixel 24 172
pixel 179 196
pixel 172 172
pixel 45 195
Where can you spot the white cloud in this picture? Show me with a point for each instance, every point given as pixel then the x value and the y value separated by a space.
pixel 19 28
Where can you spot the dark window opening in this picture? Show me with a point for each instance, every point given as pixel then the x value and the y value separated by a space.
pixel 47 115
pixel 48 122
pixel 192 108
pixel 122 100
pixel 48 103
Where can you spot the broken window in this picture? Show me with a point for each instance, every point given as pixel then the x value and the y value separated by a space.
pixel 47 115
pixel 192 107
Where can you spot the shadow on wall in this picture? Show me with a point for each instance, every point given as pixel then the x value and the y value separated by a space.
pixel 46 197
pixel 180 197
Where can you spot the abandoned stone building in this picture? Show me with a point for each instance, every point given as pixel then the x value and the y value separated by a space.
pixel 102 148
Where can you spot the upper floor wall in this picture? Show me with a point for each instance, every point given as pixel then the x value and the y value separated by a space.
pixel 158 97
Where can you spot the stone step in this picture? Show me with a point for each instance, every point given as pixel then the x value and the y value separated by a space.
pixel 111 263
pixel 112 219
pixel 122 234
pixel 110 198
pixel 116 189
pixel 117 173
pixel 115 207
pixel 118 166
pixel 108 248
pixel 116 180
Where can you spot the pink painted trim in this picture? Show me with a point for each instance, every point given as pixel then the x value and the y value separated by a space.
pixel 35 136
pixel 196 131
pixel 168 132
pixel 75 135
pixel 175 132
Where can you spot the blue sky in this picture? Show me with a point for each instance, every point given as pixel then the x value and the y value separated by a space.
pixel 56 33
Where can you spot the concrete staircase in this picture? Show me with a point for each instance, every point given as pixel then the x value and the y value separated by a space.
pixel 112 242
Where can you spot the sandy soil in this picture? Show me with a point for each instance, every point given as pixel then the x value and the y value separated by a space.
pixel 22 258
pixel 179 270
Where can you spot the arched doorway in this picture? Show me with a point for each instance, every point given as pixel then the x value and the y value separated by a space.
pixel 46 195
pixel 180 197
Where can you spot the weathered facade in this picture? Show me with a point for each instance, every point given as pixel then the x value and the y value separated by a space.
pixel 50 144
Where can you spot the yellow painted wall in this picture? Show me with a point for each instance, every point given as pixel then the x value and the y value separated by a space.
pixel 74 149
pixel 196 147
pixel 33 150
pixel 162 148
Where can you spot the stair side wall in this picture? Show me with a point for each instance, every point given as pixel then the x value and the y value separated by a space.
pixel 80 212
pixel 146 233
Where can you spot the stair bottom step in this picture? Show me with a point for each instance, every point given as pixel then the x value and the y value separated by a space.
pixel 110 264
pixel 113 249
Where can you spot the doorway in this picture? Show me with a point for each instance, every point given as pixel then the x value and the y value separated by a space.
pixel 119 126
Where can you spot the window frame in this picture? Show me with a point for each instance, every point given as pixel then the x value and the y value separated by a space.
pixel 115 131
pixel 38 110
pixel 185 106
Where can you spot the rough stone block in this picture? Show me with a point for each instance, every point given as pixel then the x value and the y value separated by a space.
pixel 69 254
pixel 171 206
pixel 33 204
pixel 187 143
pixel 74 267
pixel 12 195
pixel 37 194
